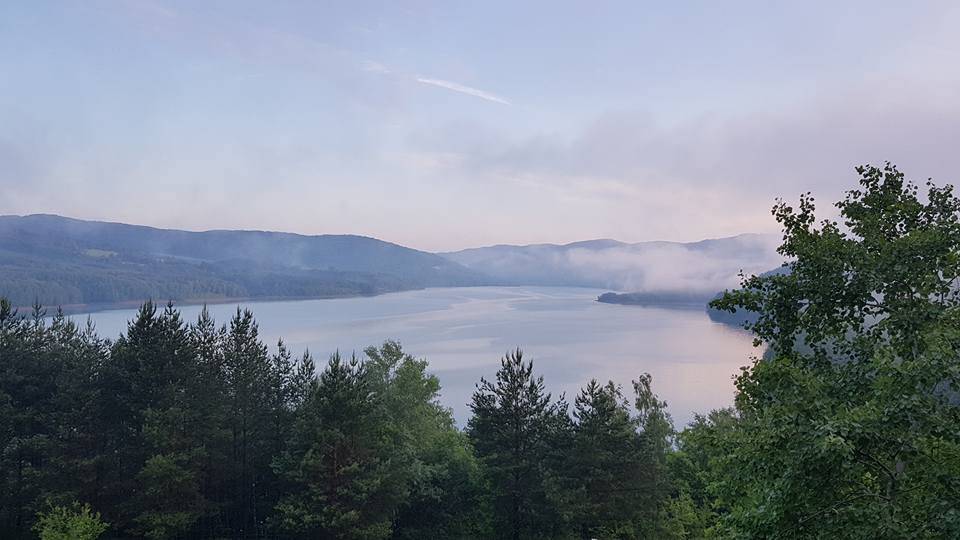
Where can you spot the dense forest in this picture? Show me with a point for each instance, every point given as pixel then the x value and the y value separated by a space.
pixel 847 428
pixel 62 261
pixel 195 430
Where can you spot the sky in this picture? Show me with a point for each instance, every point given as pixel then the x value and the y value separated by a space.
pixel 445 125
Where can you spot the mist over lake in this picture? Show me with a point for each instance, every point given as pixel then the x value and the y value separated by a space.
pixel 463 333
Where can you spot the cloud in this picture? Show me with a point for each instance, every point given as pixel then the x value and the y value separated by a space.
pixel 632 174
pixel 668 267
pixel 652 267
pixel 457 87
pixel 729 167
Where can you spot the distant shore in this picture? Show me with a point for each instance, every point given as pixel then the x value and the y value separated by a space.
pixel 73 309
pixel 677 299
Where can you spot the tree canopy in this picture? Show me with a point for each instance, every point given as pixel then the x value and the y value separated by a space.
pixel 848 429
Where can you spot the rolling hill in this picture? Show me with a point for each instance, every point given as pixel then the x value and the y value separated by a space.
pixel 62 261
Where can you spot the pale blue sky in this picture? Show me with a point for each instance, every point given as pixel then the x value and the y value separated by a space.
pixel 442 125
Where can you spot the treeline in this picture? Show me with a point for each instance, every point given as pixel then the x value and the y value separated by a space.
pixel 180 430
pixel 81 279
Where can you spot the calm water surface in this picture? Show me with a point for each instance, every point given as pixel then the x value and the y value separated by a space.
pixel 463 333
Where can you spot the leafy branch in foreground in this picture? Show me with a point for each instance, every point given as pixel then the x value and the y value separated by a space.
pixel 848 429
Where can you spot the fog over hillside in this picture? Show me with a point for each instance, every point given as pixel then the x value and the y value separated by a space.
pixel 58 260
pixel 696 267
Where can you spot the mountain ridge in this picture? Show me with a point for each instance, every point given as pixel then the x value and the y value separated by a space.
pixel 57 260
pixel 612 243
pixel 62 260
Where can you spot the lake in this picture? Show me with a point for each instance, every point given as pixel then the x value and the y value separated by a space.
pixel 463 333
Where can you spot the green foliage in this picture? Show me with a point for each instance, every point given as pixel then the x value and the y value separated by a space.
pixel 695 469
pixel 445 497
pixel 249 384
pixel 373 455
pixel 612 467
pixel 849 428
pixel 345 484
pixel 48 414
pixel 513 429
pixel 183 430
pixel 171 498
pixel 77 522
pixel 600 473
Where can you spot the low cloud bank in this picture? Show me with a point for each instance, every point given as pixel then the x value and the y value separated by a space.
pixel 654 267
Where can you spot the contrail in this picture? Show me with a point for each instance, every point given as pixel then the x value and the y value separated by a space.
pixel 456 87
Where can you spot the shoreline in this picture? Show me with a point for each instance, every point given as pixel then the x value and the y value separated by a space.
pixel 97 307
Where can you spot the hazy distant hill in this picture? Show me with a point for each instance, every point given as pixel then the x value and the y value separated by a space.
pixel 652 269
pixel 59 260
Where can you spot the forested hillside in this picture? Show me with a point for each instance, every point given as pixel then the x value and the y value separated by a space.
pixel 62 261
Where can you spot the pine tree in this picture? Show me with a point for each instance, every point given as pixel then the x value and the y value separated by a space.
pixel 168 499
pixel 513 428
pixel 248 389
pixel 212 429
pixel 133 381
pixel 344 480
pixel 48 419
pixel 304 380
pixel 75 454
pixel 27 386
pixel 608 463
pixel 282 395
